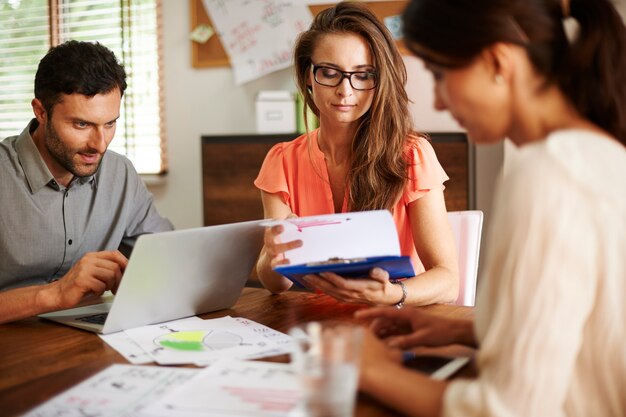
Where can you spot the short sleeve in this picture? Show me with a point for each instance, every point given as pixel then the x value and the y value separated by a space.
pixel 272 177
pixel 424 170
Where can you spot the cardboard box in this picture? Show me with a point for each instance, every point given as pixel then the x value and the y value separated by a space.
pixel 275 112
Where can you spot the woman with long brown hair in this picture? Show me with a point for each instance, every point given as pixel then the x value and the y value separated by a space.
pixel 363 156
pixel 551 76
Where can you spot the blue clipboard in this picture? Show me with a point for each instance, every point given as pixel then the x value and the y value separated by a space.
pixel 396 266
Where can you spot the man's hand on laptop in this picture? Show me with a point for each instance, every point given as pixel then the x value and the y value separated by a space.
pixel 94 273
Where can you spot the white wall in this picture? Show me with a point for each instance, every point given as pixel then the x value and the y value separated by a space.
pixel 421 96
pixel 206 101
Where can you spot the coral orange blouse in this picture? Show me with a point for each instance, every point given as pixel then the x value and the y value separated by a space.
pixel 297 171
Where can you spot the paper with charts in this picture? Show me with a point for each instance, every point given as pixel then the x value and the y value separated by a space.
pixel 201 342
pixel 234 388
pixel 117 391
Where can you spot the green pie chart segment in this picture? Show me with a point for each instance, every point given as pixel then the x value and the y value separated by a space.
pixel 187 341
pixel 198 340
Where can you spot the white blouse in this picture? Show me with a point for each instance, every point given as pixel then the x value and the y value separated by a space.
pixel 551 308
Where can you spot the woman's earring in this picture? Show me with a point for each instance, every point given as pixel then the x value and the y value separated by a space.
pixel 498 78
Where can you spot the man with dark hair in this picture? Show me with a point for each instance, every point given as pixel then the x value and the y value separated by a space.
pixel 67 204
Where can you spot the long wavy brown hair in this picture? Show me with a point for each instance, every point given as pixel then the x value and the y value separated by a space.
pixel 378 170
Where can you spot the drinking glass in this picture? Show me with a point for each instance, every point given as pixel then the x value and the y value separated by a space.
pixel 326 360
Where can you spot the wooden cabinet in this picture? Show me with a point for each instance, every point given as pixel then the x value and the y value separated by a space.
pixel 231 163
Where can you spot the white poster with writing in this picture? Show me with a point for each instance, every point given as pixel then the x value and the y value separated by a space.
pixel 258 36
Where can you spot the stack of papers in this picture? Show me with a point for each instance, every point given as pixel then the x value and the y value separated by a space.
pixel 227 388
pixel 348 244
pixel 232 383
pixel 200 342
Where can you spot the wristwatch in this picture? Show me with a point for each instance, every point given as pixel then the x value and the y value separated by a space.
pixel 400 303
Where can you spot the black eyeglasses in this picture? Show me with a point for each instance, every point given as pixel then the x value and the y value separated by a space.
pixel 332 77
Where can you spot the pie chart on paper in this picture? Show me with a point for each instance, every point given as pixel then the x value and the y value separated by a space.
pixel 198 340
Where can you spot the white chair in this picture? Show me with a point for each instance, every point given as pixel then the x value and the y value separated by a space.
pixel 467 228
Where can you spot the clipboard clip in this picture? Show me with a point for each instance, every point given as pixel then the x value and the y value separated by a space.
pixel 337 261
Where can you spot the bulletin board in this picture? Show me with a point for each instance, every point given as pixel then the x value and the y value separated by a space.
pixel 212 53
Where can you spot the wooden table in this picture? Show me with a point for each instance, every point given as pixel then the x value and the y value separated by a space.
pixel 40 359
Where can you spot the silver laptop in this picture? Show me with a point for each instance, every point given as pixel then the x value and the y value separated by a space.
pixel 175 274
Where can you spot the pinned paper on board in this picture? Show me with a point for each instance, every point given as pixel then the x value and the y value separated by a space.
pixel 202 33
pixel 394 25
pixel 260 45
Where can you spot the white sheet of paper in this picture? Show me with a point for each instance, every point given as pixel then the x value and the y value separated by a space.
pixel 199 341
pixel 345 235
pixel 234 388
pixel 117 391
pixel 281 343
pixel 126 347
pixel 279 338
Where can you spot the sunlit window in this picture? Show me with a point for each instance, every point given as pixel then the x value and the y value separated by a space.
pixel 130 28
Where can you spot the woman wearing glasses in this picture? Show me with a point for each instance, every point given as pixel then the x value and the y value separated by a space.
pixel 364 156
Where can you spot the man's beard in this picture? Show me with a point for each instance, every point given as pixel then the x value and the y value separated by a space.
pixel 64 155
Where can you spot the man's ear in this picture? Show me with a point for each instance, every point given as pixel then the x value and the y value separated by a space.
pixel 40 112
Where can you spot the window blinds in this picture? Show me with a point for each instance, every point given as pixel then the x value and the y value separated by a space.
pixel 130 28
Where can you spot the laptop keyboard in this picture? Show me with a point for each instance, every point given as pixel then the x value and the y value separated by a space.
pixel 94 318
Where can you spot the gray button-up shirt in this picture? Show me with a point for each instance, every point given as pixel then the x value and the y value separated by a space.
pixel 45 228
